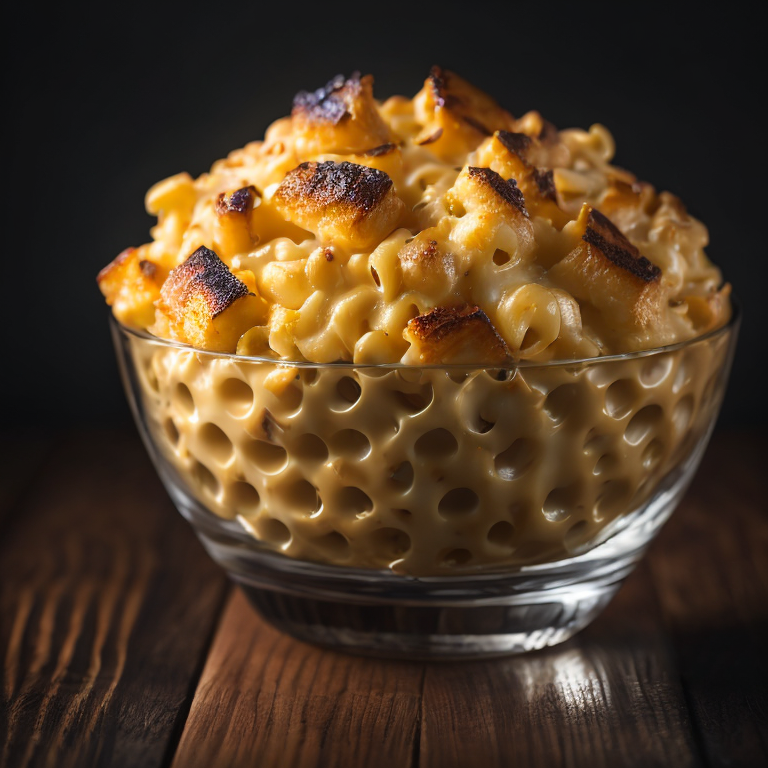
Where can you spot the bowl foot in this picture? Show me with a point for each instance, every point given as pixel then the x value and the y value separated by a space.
pixel 432 632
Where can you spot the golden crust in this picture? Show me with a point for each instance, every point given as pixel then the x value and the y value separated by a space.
pixel 237 203
pixel 610 273
pixel 202 276
pixel 342 202
pixel 512 155
pixel 493 184
pixel 202 303
pixel 455 115
pixel 373 213
pixel 131 283
pixel 471 105
pixel 462 335
pixel 233 233
pixel 340 116
pixel 601 234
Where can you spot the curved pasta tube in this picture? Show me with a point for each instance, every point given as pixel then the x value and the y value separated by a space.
pixel 529 319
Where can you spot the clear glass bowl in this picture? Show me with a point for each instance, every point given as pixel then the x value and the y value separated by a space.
pixel 431 512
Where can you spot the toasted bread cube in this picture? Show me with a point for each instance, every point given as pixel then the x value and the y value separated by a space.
pixel 206 306
pixel 511 156
pixel 460 335
pixel 483 192
pixel 131 285
pixel 341 117
pixel 610 273
pixel 455 115
pixel 232 232
pixel 341 203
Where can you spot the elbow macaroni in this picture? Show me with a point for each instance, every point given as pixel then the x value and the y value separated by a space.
pixel 428 231
pixel 465 206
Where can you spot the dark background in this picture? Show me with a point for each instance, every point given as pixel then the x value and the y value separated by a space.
pixel 105 100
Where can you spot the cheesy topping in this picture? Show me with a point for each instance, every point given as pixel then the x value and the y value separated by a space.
pixel 438 229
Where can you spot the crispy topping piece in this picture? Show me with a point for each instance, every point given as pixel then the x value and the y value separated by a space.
pixel 131 284
pixel 233 222
pixel 331 103
pixel 340 117
pixel 202 277
pixel 507 190
pixel 455 115
pixel 609 240
pixel 518 143
pixel 512 155
pixel 545 181
pixel 470 104
pixel 203 304
pixel 238 202
pixel 461 335
pixel 608 272
pixel 491 202
pixel 340 202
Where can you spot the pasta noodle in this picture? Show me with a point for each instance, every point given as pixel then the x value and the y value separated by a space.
pixel 351 215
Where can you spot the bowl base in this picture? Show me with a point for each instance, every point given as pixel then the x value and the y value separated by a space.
pixel 432 632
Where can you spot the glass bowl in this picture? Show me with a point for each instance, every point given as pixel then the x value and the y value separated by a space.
pixel 426 512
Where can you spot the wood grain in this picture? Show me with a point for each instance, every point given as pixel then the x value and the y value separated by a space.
pixel 108 604
pixel 114 649
pixel 609 697
pixel 710 566
pixel 268 700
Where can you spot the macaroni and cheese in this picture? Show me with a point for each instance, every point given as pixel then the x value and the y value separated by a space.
pixel 453 247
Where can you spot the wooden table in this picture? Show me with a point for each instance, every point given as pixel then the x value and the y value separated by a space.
pixel 123 644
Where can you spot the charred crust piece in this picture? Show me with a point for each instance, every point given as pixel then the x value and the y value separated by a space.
pixel 383 149
pixel 328 104
pixel 451 92
pixel 457 334
pixel 507 190
pixel 518 143
pixel 203 274
pixel 437 81
pixel 439 322
pixel 602 234
pixel 240 201
pixel 315 186
pixel 118 261
pixel 342 203
pixel 545 181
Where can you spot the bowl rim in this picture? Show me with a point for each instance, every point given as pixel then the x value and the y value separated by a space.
pixel 730 326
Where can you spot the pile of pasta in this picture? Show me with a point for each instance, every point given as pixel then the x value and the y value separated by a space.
pixel 432 230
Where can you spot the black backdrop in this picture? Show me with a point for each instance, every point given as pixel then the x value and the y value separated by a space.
pixel 105 100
